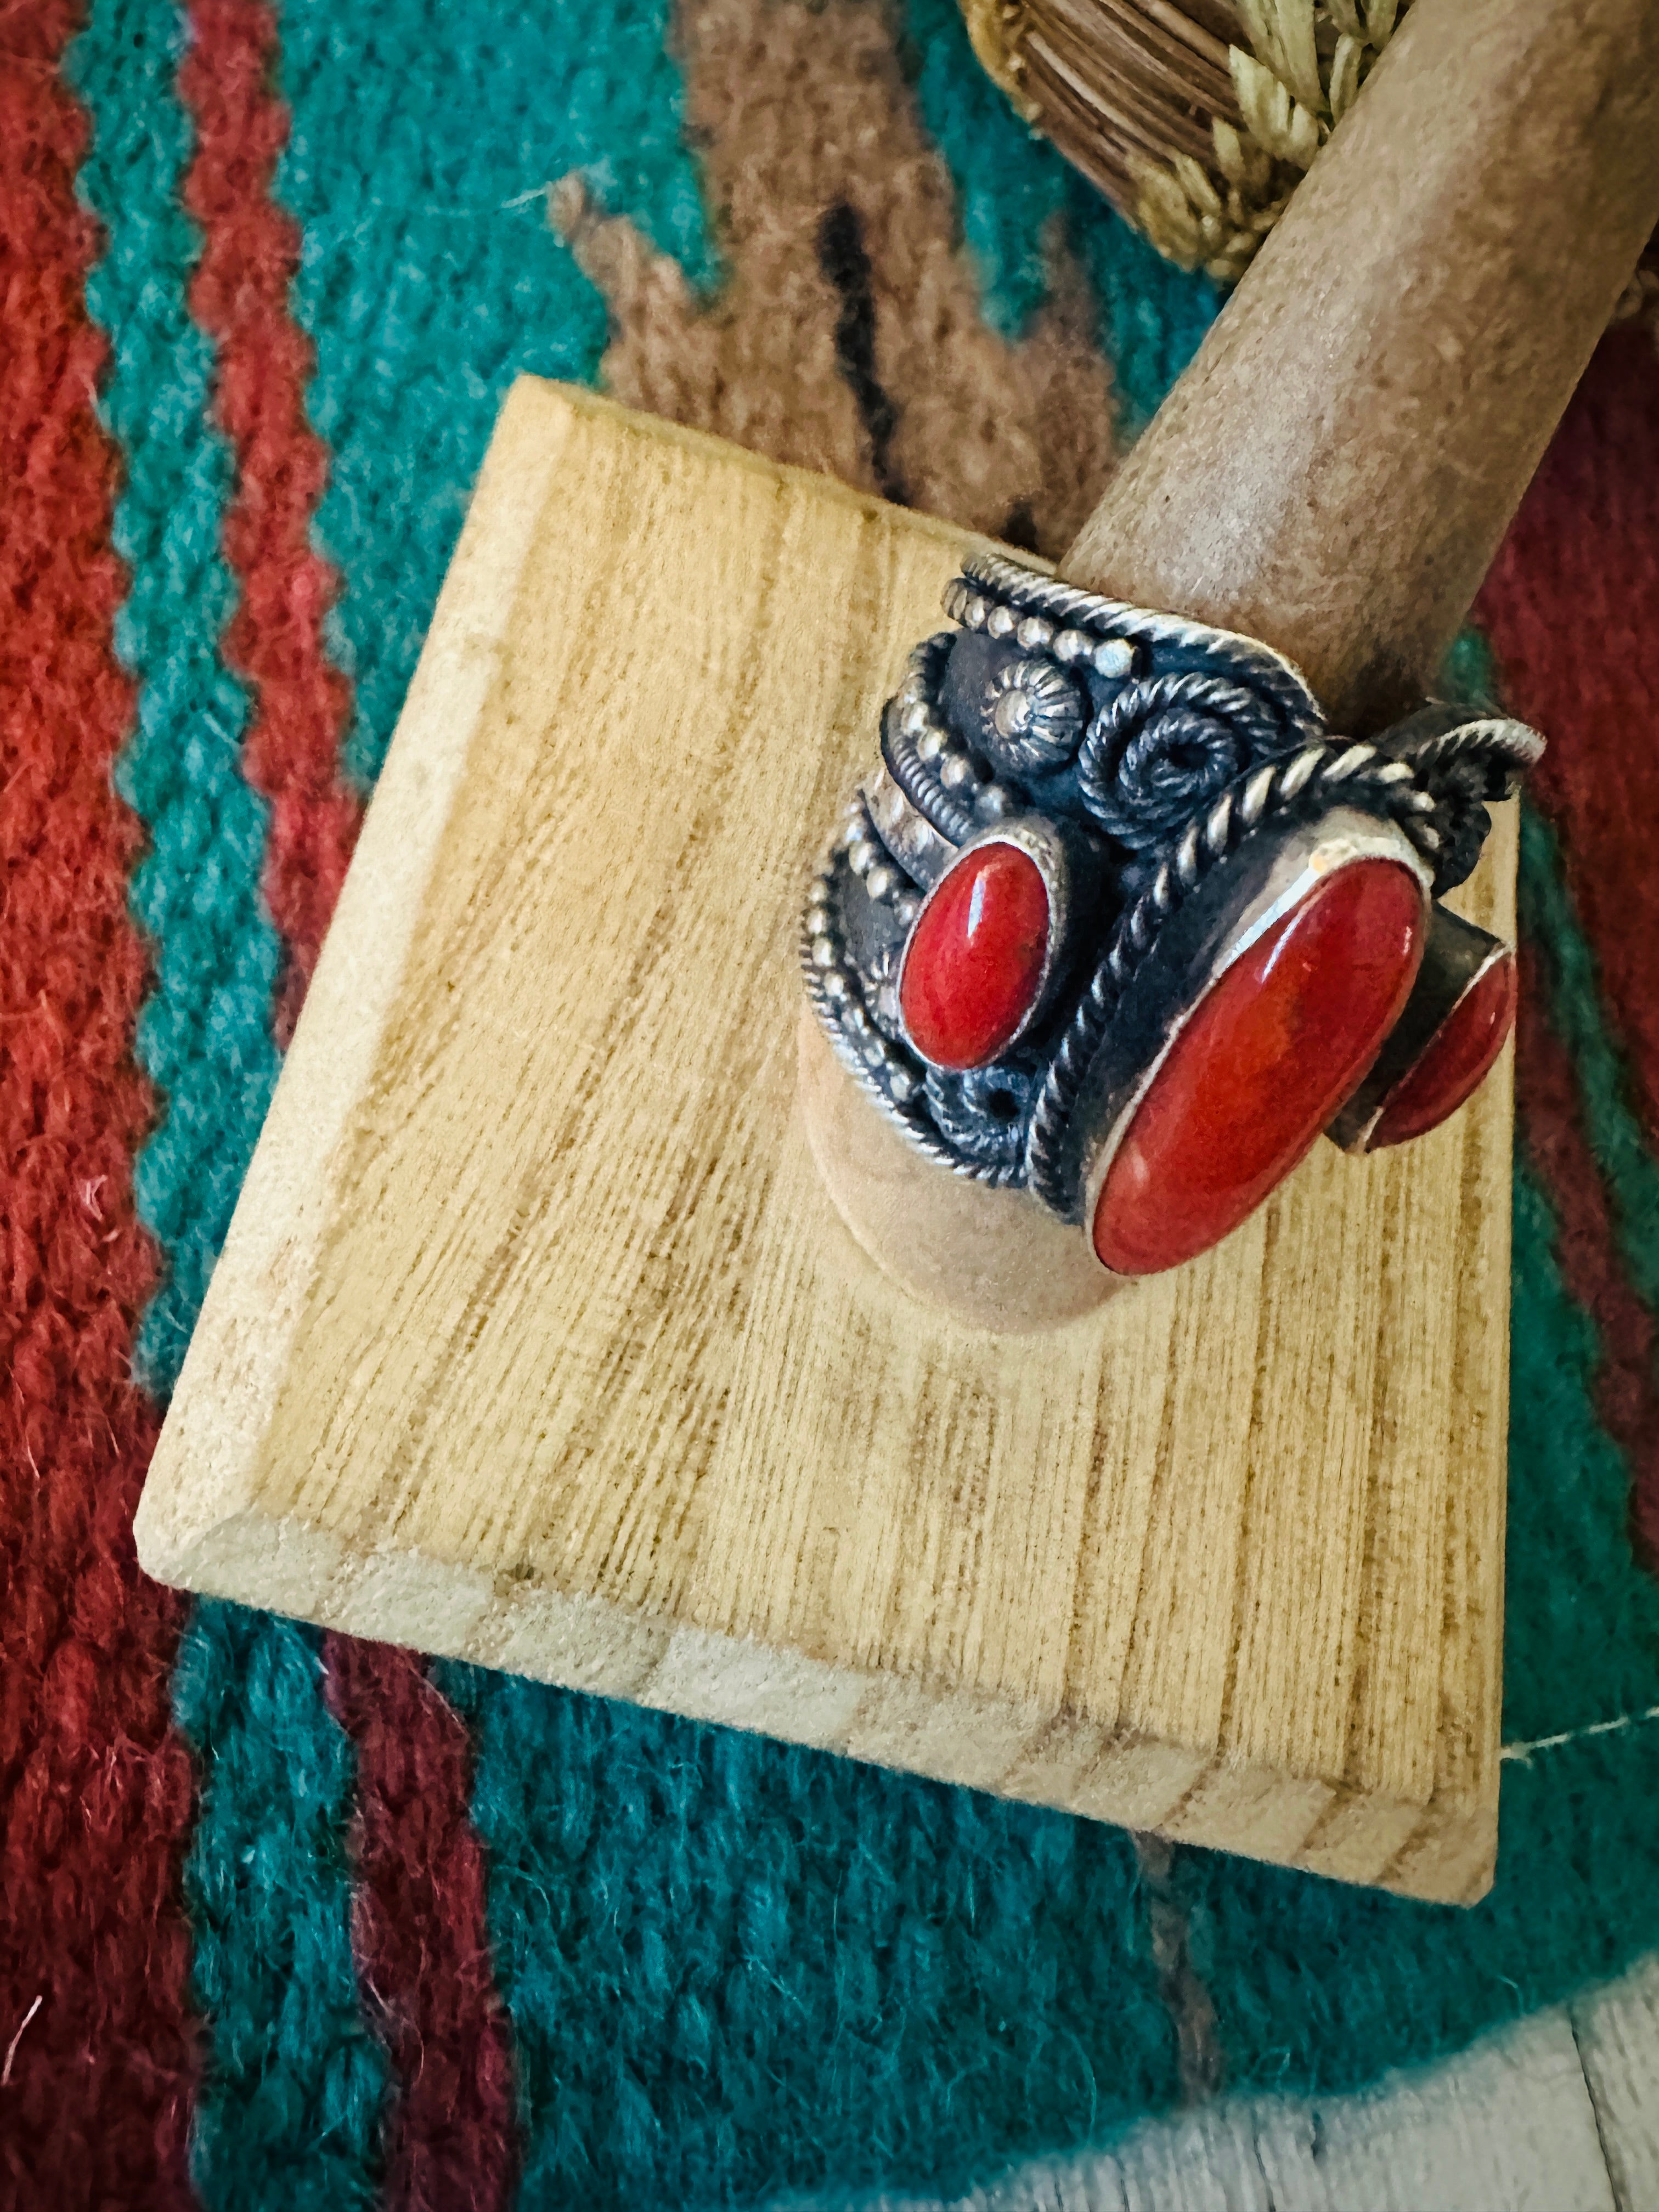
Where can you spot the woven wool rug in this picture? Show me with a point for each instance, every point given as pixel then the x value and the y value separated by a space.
pixel 291 1922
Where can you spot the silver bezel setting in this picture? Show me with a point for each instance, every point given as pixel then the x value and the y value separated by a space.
pixel 1198 751
pixel 1046 847
pixel 1312 853
pixel 1459 956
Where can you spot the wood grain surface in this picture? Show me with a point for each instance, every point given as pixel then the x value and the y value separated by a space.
pixel 1335 470
pixel 535 1340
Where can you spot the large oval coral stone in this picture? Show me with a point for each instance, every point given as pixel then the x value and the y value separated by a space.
pixel 1265 1059
pixel 1456 1061
pixel 975 962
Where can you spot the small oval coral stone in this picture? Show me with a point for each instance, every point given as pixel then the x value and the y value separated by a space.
pixel 1265 1059
pixel 975 960
pixel 1456 1061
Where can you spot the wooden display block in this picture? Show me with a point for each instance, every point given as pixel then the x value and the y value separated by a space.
pixel 535 1340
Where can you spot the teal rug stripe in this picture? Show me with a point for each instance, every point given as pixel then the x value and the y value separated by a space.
pixel 1153 317
pixel 424 136
pixel 1321 1987
pixel 1575 1008
pixel 1010 184
pixel 205 1038
pixel 1581 1642
pixel 290 2102
pixel 736 1968
pixel 292 2111
pixel 733 1968
pixel 1549 922
pixel 1469 678
pixel 1568 1675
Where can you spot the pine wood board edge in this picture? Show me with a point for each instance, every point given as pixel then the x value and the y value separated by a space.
pixel 1442 1851
pixel 202 1524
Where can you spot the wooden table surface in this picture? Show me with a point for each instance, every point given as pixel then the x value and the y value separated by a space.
pixel 1557 2114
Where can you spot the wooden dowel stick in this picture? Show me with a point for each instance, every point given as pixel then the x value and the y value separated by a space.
pixel 1336 470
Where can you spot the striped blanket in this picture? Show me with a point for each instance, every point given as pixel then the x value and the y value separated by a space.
pixel 288 1921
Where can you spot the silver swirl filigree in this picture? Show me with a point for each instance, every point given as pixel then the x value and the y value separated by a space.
pixel 1157 745
pixel 1363 773
pixel 1164 749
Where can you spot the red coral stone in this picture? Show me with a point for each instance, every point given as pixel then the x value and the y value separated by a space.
pixel 1454 1061
pixel 1266 1059
pixel 975 962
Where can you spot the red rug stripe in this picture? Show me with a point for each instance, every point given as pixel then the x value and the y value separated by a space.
pixel 239 296
pixel 1571 610
pixel 96 1790
pixel 420 1934
pixel 419 1927
pixel 1551 1125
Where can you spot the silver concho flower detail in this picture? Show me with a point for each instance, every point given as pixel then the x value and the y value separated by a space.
pixel 1033 716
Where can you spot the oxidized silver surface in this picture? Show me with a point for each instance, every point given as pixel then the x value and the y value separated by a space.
pixel 1457 957
pixel 1131 753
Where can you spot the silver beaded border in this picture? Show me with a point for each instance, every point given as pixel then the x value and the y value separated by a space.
pixel 1114 637
pixel 887 1072
pixel 934 776
pixel 937 775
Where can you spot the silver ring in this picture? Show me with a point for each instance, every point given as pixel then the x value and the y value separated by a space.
pixel 1060 776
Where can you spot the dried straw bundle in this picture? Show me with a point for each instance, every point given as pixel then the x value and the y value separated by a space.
pixel 1197 138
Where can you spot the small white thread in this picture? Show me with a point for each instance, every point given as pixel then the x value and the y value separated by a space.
pixel 11 2048
pixel 1576 1735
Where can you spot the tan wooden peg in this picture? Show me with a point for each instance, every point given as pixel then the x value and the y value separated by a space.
pixel 1333 473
